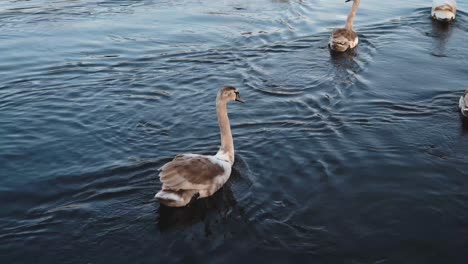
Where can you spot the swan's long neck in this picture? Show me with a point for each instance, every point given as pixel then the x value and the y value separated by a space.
pixel 227 144
pixel 352 15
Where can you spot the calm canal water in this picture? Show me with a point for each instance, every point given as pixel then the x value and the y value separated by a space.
pixel 358 158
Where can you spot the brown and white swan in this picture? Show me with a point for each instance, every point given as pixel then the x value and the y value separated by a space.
pixel 345 38
pixel 190 176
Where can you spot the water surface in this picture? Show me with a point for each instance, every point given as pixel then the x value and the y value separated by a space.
pixel 354 158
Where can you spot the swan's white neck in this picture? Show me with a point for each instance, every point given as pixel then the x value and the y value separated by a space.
pixel 226 151
pixel 352 15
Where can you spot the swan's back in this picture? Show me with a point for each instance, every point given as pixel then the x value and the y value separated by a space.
pixel 348 34
pixel 191 175
pixel 192 171
pixel 444 10
pixel 343 39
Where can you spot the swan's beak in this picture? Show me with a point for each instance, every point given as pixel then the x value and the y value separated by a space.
pixel 347 1
pixel 238 99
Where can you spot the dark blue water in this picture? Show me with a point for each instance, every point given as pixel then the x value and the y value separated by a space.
pixel 354 158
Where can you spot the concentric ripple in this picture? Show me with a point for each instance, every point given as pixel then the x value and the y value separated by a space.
pixel 357 157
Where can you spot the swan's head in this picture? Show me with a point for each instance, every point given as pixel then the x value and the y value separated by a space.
pixel 228 94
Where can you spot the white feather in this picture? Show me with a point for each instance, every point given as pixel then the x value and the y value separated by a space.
pixel 168 196
pixel 462 105
pixel 443 15
pixel 355 42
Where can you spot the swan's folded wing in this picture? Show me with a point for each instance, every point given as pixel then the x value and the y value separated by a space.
pixel 444 10
pixel 445 7
pixel 190 171
pixel 466 99
pixel 346 33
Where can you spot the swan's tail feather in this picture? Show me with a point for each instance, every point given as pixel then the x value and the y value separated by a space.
pixel 443 15
pixel 168 195
pixel 175 198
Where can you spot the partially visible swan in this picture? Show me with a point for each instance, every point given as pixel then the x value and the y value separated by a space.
pixel 444 10
pixel 190 176
pixel 343 39
pixel 463 104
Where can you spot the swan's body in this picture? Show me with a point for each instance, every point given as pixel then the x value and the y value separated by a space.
pixel 345 38
pixel 463 104
pixel 190 176
pixel 444 10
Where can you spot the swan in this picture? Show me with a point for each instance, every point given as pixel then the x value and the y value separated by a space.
pixel 463 104
pixel 345 38
pixel 444 10
pixel 190 176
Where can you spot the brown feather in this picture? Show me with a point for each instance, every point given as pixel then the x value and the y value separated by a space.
pixel 445 7
pixel 466 98
pixel 343 32
pixel 193 169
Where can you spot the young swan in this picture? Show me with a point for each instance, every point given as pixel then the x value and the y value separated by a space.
pixel 463 104
pixel 343 39
pixel 444 10
pixel 190 176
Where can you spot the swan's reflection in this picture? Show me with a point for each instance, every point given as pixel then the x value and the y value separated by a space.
pixel 342 58
pixel 218 205
pixel 344 62
pixel 464 124
pixel 441 32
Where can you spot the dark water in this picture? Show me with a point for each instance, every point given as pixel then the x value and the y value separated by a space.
pixel 358 158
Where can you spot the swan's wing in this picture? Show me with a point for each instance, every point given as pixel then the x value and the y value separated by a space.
pixel 444 9
pixel 465 97
pixel 191 171
pixel 346 33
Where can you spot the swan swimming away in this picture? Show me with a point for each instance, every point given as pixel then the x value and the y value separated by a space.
pixel 463 104
pixel 345 38
pixel 444 10
pixel 190 176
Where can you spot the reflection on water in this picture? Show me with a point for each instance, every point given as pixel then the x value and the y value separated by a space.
pixel 442 32
pixel 464 124
pixel 358 156
pixel 345 60
pixel 220 204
